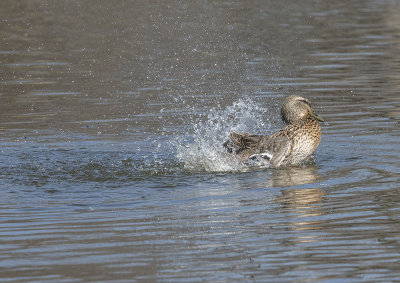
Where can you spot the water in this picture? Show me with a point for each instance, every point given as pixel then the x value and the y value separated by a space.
pixel 111 124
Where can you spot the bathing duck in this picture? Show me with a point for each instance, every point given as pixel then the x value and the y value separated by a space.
pixel 291 145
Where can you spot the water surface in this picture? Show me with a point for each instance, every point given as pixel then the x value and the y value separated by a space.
pixel 112 116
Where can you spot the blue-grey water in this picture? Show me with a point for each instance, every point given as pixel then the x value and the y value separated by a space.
pixel 112 116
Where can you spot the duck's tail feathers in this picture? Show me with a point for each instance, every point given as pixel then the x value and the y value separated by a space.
pixel 245 140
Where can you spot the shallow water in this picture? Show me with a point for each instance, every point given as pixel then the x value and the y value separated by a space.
pixel 112 118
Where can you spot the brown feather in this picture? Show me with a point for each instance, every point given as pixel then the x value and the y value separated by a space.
pixel 291 145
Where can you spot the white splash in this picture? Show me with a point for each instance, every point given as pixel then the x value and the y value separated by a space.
pixel 205 151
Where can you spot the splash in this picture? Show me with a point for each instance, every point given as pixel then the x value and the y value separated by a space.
pixel 203 151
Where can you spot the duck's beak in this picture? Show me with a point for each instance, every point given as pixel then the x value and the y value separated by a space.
pixel 316 116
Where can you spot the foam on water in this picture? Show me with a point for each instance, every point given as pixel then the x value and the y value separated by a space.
pixel 203 150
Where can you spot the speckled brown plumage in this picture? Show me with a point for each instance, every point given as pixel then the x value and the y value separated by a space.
pixel 291 145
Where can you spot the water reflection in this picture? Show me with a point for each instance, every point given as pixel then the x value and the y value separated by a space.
pixel 113 84
pixel 304 206
pixel 294 176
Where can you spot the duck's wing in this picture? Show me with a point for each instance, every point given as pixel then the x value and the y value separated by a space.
pixel 273 148
pixel 279 148
pixel 245 140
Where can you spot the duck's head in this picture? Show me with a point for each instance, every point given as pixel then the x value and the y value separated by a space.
pixel 297 108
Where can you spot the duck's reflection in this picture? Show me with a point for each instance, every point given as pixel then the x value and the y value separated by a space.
pixel 303 205
pixel 293 176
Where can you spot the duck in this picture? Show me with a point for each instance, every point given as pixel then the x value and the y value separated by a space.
pixel 292 145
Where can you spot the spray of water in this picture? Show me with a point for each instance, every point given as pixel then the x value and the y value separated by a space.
pixel 203 150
